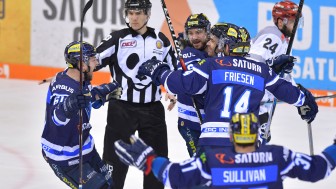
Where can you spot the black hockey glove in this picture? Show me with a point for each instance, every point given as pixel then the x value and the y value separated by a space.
pixel 137 154
pixel 154 69
pixel 76 101
pixel 283 62
pixel 309 108
pixel 105 92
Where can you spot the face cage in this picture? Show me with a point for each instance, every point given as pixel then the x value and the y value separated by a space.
pixel 185 33
pixel 86 60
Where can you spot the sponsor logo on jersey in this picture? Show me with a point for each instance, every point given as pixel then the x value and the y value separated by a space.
pixel 63 87
pixel 188 55
pixel 156 51
pixel 159 44
pixel 220 62
pixel 246 64
pixel 201 62
pixel 223 160
pixel 128 43
pixel 255 157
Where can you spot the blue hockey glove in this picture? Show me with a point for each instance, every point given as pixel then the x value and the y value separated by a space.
pixel 154 69
pixel 309 108
pixel 137 154
pixel 105 92
pixel 76 101
pixel 283 62
pixel 330 152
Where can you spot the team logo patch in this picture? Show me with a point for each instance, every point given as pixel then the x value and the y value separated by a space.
pixel 222 63
pixel 128 43
pixel 159 44
pixel 221 158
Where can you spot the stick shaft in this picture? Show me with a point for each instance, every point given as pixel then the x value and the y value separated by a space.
pixel 179 53
pixel 80 128
pixel 310 136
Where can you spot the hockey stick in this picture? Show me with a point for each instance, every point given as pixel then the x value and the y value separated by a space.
pixel 80 126
pixel 289 48
pixel 310 136
pixel 179 53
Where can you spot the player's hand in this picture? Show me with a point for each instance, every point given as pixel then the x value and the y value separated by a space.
pixel 281 63
pixel 104 93
pixel 137 153
pixel 76 101
pixel 172 99
pixel 46 80
pixel 153 68
pixel 309 108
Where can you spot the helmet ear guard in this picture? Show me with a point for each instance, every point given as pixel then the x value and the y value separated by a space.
pixel 244 128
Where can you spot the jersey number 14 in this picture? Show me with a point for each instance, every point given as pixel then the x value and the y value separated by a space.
pixel 241 105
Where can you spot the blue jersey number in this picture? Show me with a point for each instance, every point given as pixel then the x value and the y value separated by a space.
pixel 241 105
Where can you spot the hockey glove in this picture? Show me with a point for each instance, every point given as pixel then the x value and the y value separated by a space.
pixel 137 154
pixel 154 69
pixel 283 62
pixel 330 153
pixel 76 101
pixel 105 92
pixel 309 108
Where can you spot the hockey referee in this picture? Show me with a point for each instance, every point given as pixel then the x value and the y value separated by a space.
pixel 139 108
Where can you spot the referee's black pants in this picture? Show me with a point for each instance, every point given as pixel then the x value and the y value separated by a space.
pixel 124 119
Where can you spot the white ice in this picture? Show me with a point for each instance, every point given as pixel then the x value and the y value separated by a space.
pixel 22 109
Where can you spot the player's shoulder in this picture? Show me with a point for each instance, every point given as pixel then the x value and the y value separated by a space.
pixel 63 84
pixel 272 32
pixel 190 52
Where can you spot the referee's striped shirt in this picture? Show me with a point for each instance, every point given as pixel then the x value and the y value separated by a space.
pixel 124 51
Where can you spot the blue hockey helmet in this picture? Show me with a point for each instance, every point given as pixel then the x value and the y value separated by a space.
pixel 244 128
pixel 72 53
pixel 197 21
pixel 237 38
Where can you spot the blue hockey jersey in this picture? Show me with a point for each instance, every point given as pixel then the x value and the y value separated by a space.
pixel 231 85
pixel 186 111
pixel 266 167
pixel 60 137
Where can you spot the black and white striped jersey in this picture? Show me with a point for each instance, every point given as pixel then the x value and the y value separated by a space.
pixel 124 51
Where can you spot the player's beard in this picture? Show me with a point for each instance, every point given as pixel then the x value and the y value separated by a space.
pixel 286 31
pixel 87 76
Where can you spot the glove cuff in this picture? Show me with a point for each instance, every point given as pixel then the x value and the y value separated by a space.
pixel 149 161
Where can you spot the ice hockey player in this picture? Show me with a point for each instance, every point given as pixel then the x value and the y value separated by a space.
pixel 60 137
pixel 197 31
pixel 232 84
pixel 243 166
pixel 270 46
